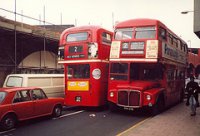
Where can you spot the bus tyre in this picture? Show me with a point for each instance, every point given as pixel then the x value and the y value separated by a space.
pixel 158 107
pixel 113 107
pixel 57 111
pixel 8 122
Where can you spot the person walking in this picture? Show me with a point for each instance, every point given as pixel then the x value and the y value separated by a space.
pixel 193 89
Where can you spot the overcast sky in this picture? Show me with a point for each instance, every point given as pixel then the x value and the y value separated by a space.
pixel 103 12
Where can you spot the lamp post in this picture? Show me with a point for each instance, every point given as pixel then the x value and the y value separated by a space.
pixel 186 12
pixel 15 37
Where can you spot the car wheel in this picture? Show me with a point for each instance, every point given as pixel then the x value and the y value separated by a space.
pixel 8 122
pixel 57 111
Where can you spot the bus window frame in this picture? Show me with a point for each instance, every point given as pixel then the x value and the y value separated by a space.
pixel 71 76
pixel 125 74
pixel 78 32
pixel 104 40
pixel 125 29
pixel 151 28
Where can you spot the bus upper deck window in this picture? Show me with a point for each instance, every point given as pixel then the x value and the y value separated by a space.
pixel 126 33
pixel 75 37
pixel 162 33
pixel 145 33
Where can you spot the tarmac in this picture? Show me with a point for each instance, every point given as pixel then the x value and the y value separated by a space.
pixel 175 121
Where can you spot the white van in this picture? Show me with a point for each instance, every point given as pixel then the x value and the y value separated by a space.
pixel 52 84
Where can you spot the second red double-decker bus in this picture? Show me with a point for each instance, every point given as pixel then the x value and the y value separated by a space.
pixel 147 66
pixel 84 51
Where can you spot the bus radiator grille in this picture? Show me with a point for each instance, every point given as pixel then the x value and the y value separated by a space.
pixel 123 97
pixel 129 98
pixel 134 98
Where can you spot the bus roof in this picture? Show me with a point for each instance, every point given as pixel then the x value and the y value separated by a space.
pixel 138 22
pixel 144 22
pixel 86 27
pixel 92 28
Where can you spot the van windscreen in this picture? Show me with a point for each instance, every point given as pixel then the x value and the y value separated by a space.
pixel 14 81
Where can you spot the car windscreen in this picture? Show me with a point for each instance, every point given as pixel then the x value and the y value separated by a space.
pixel 14 81
pixel 2 96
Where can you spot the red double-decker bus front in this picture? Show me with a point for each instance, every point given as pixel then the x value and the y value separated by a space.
pixel 84 51
pixel 147 66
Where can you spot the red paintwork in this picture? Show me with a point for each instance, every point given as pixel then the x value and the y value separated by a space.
pixel 138 22
pixel 171 89
pixel 97 94
pixel 94 37
pixel 27 109
pixel 194 58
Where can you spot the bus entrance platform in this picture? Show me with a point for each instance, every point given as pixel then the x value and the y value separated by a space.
pixel 175 121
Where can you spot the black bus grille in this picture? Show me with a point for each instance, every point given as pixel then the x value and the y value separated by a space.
pixel 123 98
pixel 129 98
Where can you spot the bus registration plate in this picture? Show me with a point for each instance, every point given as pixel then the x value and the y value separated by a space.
pixel 129 108
pixel 78 98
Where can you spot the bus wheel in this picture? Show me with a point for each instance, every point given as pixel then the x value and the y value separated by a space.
pixel 57 111
pixel 158 107
pixel 8 122
pixel 113 107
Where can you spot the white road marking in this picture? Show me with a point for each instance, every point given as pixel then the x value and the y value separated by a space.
pixel 7 131
pixel 69 114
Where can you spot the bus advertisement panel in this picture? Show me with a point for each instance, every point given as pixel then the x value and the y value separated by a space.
pixel 84 51
pixel 147 66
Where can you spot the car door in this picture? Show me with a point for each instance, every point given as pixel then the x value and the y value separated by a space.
pixel 42 104
pixel 23 105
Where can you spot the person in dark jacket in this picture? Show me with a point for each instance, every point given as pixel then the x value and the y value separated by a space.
pixel 191 86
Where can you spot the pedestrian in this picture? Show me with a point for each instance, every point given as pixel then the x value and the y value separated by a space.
pixel 191 86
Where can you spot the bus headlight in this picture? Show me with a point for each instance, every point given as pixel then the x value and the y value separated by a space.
pixel 148 97
pixel 111 94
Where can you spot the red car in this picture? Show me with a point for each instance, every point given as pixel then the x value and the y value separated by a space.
pixel 17 104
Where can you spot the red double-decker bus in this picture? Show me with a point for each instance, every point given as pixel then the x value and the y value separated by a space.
pixel 84 51
pixel 147 66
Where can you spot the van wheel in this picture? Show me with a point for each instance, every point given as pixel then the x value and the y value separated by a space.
pixel 57 111
pixel 8 122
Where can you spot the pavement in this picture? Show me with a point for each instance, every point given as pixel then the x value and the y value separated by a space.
pixel 175 121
